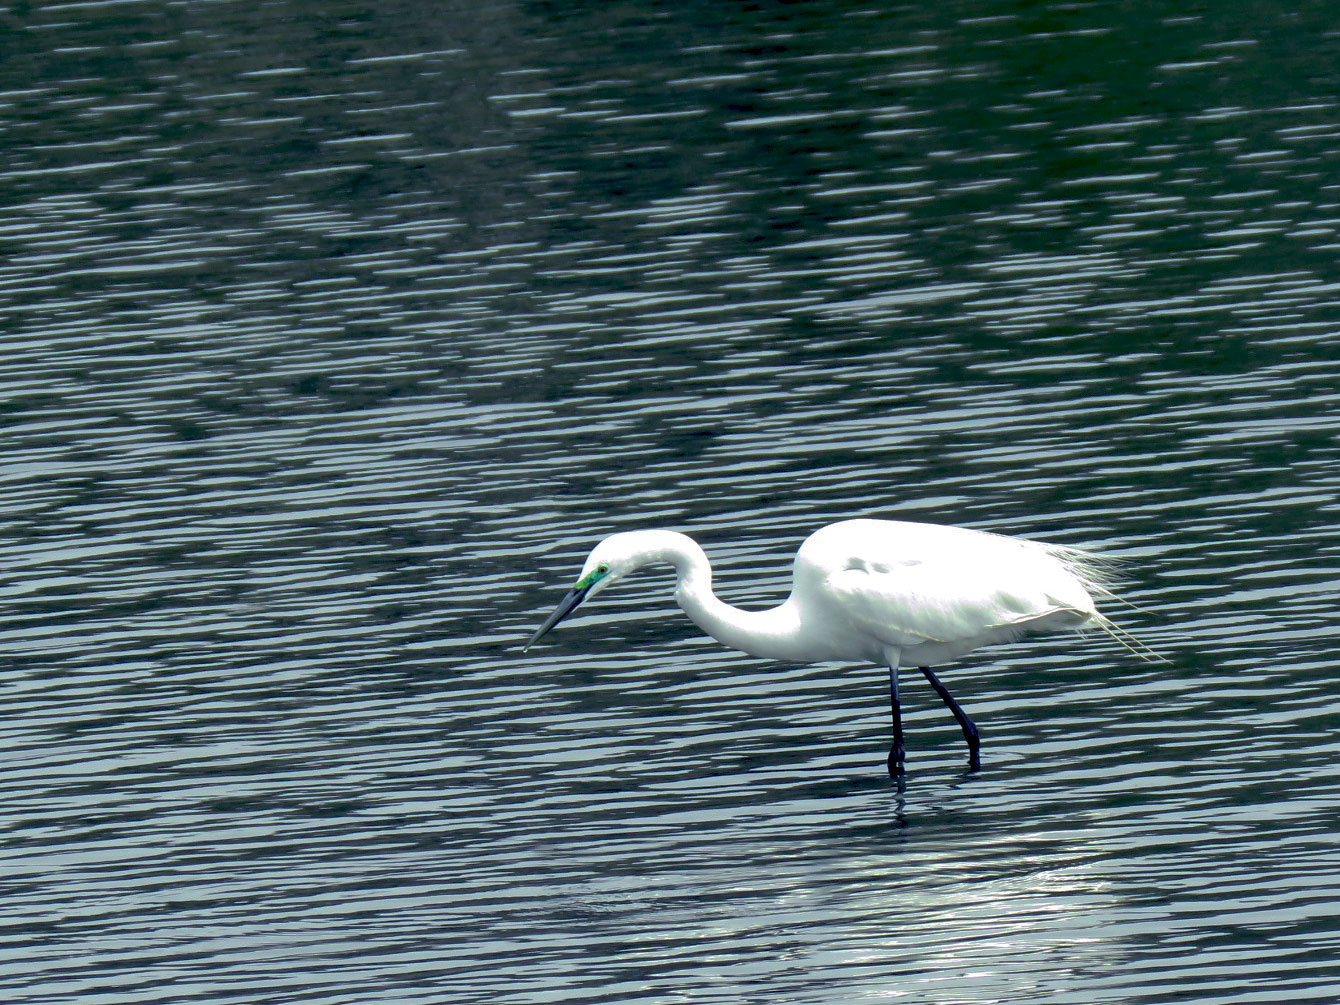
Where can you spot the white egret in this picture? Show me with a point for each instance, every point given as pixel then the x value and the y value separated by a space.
pixel 880 591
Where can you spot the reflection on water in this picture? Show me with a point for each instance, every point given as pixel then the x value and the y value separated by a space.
pixel 332 343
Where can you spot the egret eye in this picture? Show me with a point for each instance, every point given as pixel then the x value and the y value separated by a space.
pixel 603 569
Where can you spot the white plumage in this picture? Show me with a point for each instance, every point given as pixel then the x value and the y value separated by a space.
pixel 934 592
pixel 880 591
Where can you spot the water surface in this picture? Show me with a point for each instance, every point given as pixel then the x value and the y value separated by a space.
pixel 333 341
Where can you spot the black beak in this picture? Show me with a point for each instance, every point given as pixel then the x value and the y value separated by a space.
pixel 565 607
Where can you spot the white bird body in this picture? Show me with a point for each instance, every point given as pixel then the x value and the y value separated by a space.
pixel 879 591
pixel 932 592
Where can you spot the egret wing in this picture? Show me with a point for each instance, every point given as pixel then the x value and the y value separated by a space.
pixel 906 584
pixel 907 604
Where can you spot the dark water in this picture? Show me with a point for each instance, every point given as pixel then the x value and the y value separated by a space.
pixel 333 338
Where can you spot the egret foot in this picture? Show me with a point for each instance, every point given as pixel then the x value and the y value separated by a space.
pixel 896 754
pixel 966 724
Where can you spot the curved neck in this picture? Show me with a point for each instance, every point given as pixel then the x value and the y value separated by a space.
pixel 773 633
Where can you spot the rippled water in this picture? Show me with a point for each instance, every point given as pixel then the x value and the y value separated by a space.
pixel 332 341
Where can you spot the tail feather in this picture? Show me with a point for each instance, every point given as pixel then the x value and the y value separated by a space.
pixel 1098 574
pixel 1128 641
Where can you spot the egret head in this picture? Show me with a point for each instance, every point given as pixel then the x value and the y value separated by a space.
pixel 609 561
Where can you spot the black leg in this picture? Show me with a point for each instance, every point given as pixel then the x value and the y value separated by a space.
pixel 896 754
pixel 967 725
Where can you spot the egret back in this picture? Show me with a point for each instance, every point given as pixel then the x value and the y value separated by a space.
pixel 934 592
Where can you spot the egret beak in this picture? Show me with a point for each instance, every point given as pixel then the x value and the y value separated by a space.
pixel 565 607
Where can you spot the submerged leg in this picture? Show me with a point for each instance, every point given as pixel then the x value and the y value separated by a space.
pixel 967 725
pixel 896 754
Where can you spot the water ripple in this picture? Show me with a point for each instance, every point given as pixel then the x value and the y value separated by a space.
pixel 332 346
